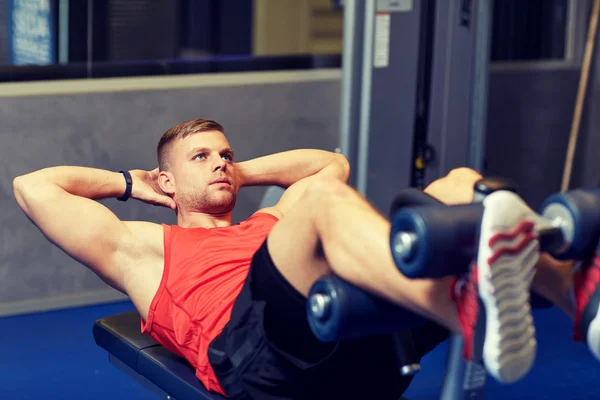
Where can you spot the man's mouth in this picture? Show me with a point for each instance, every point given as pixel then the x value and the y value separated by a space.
pixel 222 180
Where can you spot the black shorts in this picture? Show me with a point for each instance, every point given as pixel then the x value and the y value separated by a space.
pixel 267 350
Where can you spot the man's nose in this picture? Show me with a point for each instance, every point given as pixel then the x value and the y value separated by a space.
pixel 220 164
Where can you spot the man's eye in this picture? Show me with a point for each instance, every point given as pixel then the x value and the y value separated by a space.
pixel 200 155
pixel 226 157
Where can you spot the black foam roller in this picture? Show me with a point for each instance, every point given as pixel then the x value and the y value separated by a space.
pixel 446 239
pixel 353 313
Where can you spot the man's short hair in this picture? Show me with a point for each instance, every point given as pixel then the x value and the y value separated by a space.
pixel 180 131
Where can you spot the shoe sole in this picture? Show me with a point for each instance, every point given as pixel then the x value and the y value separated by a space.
pixel 508 253
pixel 593 336
pixel 593 329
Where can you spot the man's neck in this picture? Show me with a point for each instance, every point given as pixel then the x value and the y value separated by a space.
pixel 191 219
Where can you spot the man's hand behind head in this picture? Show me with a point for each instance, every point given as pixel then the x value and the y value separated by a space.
pixel 145 187
pixel 456 187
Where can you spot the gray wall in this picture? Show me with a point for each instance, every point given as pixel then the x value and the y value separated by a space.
pixel 529 125
pixel 530 116
pixel 529 119
pixel 120 131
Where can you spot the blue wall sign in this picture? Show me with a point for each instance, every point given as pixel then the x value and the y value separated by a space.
pixel 32 32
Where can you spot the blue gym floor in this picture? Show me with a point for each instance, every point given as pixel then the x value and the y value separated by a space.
pixel 53 356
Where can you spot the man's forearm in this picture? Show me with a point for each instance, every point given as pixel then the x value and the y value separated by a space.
pixel 286 168
pixel 80 181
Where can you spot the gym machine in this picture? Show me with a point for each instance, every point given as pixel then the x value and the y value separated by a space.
pixel 414 89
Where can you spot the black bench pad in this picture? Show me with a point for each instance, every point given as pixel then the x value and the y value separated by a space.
pixel 120 335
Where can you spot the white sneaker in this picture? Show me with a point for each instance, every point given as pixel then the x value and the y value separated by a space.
pixel 508 253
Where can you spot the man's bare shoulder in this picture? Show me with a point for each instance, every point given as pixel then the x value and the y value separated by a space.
pixel 142 264
pixel 149 237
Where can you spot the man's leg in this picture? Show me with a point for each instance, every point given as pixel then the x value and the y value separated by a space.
pixel 554 281
pixel 575 289
pixel 333 229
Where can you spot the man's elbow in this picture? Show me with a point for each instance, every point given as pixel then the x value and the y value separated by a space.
pixel 344 166
pixel 18 185
pixel 25 188
pixel 19 191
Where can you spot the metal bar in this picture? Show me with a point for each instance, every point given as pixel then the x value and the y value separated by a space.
pixel 480 83
pixel 365 110
pixel 139 379
pixel 351 81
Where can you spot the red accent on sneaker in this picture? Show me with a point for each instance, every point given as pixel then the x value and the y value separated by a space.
pixel 522 227
pixel 525 228
pixel 585 283
pixel 528 238
pixel 467 306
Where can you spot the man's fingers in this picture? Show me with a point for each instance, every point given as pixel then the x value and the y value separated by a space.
pixel 164 201
pixel 168 202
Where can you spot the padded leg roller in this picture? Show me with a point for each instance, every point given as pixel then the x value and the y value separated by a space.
pixel 577 214
pixel 435 241
pixel 338 310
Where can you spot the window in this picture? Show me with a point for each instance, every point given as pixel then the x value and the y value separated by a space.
pixel 525 30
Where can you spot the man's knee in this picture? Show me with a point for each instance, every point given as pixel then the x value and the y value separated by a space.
pixel 324 191
pixel 464 173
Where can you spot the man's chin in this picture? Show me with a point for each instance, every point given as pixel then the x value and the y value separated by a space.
pixel 223 206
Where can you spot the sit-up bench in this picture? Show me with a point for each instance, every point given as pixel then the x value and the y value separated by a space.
pixel 150 364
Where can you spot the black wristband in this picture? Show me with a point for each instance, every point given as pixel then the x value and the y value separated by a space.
pixel 128 187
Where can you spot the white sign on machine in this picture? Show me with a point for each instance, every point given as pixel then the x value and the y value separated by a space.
pixel 381 56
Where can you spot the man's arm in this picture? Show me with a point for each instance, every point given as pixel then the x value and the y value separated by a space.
pixel 60 202
pixel 293 170
pixel 286 168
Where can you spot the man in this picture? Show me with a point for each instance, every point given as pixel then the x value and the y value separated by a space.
pixel 231 298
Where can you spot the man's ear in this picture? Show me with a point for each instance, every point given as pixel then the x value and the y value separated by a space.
pixel 166 181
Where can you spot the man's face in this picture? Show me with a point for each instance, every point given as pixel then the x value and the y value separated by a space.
pixel 204 173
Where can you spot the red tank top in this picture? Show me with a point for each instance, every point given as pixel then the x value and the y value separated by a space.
pixel 204 272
